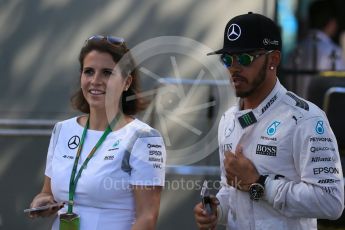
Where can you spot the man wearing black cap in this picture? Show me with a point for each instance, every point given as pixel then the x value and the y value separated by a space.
pixel 280 165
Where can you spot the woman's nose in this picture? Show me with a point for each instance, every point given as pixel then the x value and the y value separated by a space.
pixel 96 78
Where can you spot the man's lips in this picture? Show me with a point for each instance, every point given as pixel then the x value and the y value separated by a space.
pixel 237 80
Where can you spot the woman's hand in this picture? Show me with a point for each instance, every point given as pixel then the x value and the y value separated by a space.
pixel 147 200
pixel 43 199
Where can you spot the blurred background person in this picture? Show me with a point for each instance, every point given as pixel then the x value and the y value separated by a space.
pixel 317 51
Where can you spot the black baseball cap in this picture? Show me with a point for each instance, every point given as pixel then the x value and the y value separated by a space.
pixel 250 32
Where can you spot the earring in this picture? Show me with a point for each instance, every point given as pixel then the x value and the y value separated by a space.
pixel 271 67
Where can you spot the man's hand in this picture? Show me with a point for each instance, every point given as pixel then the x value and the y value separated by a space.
pixel 240 171
pixel 203 220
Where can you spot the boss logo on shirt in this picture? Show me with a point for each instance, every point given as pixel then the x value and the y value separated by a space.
pixel 267 150
pixel 109 158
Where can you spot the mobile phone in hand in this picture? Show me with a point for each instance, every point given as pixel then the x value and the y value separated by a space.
pixel 44 208
pixel 205 198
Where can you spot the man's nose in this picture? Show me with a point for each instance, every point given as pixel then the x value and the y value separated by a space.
pixel 235 67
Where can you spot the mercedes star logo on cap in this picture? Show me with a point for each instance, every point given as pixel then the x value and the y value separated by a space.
pixel 73 142
pixel 234 32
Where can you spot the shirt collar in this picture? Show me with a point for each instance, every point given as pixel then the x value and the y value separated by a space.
pixel 250 116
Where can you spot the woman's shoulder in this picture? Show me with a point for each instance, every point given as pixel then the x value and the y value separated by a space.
pixel 69 122
pixel 142 129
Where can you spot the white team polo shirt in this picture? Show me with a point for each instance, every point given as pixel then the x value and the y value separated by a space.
pixel 132 155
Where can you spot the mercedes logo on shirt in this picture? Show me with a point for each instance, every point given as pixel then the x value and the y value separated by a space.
pixel 73 142
pixel 234 32
pixel 229 129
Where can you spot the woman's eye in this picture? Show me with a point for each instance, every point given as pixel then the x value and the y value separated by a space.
pixel 108 73
pixel 88 72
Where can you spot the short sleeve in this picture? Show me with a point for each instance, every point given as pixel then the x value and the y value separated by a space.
pixel 52 144
pixel 147 160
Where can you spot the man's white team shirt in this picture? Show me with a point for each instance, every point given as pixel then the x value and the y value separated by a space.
pixel 133 155
pixel 289 140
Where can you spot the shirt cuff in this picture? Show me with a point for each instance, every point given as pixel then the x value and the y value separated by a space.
pixel 271 188
pixel 222 216
pixel 219 213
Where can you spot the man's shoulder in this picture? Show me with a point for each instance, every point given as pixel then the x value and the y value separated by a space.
pixel 303 107
pixel 229 113
pixel 227 117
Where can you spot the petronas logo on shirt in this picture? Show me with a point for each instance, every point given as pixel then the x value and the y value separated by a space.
pixel 247 119
pixel 116 144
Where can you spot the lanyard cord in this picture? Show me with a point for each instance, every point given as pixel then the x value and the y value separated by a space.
pixel 74 179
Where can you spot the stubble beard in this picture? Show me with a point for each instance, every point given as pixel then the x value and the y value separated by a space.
pixel 258 80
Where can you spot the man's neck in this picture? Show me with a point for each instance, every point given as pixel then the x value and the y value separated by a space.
pixel 258 96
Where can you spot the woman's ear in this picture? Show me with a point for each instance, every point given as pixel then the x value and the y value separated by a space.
pixel 129 79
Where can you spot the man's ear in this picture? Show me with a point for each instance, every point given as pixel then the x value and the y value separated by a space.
pixel 275 58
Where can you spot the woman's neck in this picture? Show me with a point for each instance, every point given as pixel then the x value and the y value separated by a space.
pixel 98 121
